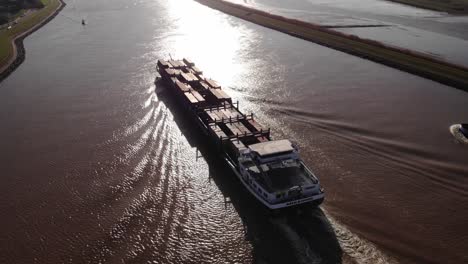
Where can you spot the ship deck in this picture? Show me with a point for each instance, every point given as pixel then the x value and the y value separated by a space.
pixel 215 110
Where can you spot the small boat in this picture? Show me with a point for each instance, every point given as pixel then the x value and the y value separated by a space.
pixel 83 22
pixel 460 132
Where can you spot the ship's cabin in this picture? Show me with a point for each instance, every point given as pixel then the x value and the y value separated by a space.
pixel 276 166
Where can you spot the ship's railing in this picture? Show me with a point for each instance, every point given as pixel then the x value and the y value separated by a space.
pixel 223 105
pixel 262 133
pixel 229 120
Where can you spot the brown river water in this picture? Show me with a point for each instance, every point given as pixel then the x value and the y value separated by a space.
pixel 96 167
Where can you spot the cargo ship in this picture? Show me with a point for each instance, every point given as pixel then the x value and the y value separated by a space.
pixel 271 170
pixel 460 132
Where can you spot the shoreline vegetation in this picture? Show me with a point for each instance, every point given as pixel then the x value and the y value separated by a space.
pixel 12 52
pixel 455 7
pixel 399 58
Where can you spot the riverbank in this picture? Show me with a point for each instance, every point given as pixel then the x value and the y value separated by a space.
pixel 452 7
pixel 402 59
pixel 12 51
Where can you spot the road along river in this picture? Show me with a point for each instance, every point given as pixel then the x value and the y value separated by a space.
pixel 437 34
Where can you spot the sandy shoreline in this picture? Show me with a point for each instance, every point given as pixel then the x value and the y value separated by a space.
pixel 19 52
pixel 403 59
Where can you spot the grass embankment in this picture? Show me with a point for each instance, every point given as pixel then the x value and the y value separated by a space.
pixel 24 24
pixel 410 61
pixel 449 6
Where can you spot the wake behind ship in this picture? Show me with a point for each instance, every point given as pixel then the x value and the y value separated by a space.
pixel 271 170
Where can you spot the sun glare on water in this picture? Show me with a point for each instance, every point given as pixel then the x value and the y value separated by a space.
pixel 209 38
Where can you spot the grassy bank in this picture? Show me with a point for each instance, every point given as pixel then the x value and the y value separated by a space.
pixel 449 6
pixel 26 23
pixel 410 61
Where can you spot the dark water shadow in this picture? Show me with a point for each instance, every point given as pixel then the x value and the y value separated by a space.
pixel 293 235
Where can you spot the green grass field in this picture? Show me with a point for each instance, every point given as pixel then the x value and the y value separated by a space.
pixel 449 6
pixel 24 24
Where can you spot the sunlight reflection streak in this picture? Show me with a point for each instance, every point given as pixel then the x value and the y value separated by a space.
pixel 216 47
